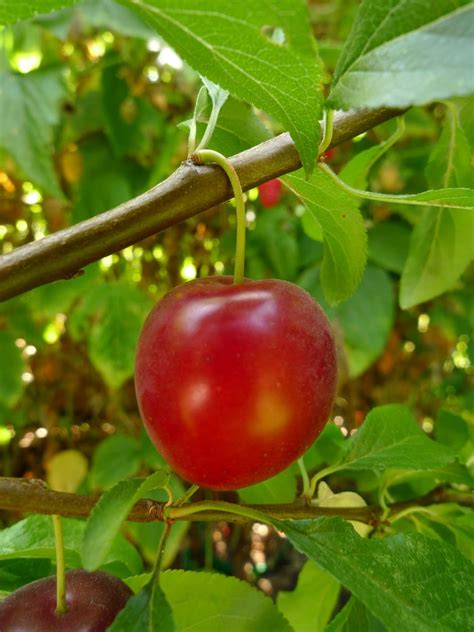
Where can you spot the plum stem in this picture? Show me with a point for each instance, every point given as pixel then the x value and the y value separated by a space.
pixel 306 484
pixel 61 605
pixel 207 156
pixel 327 134
pixel 186 496
pixel 216 505
pixel 161 550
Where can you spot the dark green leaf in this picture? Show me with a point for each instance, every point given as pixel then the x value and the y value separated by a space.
pixel 30 110
pixel 406 53
pixel 389 243
pixel 451 430
pixel 365 319
pixel 117 311
pixel 15 573
pixel 440 248
pixel 105 182
pixel 132 124
pixel 407 581
pixel 12 366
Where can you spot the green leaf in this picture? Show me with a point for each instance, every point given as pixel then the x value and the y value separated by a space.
pixel 227 43
pixel 147 611
pixel 406 53
pixel 15 573
pixel 345 239
pixel 356 171
pixel 206 602
pixel 449 163
pixel 33 537
pixel 110 15
pixel 14 10
pixel 49 300
pixel 275 235
pixel 460 198
pixel 366 318
pixel 132 123
pixel 440 248
pixel 389 244
pixel 117 311
pixel 452 430
pixel 391 438
pixel 309 606
pixel 277 489
pixel 407 581
pixel 115 458
pixel 12 366
pixel 108 514
pixel 30 110
pixel 106 181
pixel 355 617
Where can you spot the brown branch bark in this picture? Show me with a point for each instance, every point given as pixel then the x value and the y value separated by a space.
pixel 187 192
pixel 22 496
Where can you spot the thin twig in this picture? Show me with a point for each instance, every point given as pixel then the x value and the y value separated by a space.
pixel 187 192
pixel 22 496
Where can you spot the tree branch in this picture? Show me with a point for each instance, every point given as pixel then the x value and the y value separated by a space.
pixel 23 496
pixel 187 192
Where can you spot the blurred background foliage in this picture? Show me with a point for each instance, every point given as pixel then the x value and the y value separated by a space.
pixel 99 99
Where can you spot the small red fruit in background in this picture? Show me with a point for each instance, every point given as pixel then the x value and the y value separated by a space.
pixel 93 601
pixel 235 381
pixel 269 193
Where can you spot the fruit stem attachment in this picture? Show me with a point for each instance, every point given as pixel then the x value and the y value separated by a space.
pixel 306 484
pixel 186 496
pixel 327 134
pixel 161 550
pixel 216 505
pixel 205 156
pixel 61 605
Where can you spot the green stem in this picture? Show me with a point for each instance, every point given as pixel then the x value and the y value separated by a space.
pixel 397 134
pixel 61 605
pixel 304 475
pixel 186 496
pixel 327 134
pixel 370 195
pixel 202 95
pixel 175 513
pixel 206 156
pixel 409 511
pixel 161 551
pixel 211 125
pixel 322 474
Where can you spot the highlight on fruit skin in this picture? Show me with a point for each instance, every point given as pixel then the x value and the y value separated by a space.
pixel 93 599
pixel 235 381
